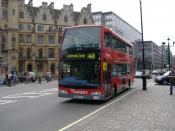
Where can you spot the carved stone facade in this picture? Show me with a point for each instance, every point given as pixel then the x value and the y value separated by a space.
pixel 30 37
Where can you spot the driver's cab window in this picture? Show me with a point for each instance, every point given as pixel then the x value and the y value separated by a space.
pixel 106 40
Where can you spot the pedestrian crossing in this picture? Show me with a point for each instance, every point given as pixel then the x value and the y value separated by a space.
pixel 28 95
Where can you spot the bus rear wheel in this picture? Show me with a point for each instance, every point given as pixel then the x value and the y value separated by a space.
pixel 115 91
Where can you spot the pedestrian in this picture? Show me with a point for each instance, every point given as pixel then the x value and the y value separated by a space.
pixel 39 78
pixel 172 80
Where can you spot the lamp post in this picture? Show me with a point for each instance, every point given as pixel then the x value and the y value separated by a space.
pixel 168 53
pixel 143 49
pixel 163 43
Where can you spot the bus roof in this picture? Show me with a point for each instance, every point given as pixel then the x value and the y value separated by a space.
pixel 102 26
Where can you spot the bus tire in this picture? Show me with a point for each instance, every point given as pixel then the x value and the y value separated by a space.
pixel 129 84
pixel 115 91
pixel 112 92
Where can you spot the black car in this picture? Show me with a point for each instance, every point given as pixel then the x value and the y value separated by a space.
pixel 163 79
pixel 22 77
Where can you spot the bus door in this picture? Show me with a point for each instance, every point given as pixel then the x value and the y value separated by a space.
pixel 107 79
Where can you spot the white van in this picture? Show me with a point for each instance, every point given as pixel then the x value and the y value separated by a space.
pixel 32 76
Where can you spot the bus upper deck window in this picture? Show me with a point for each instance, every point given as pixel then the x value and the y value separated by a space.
pixel 106 40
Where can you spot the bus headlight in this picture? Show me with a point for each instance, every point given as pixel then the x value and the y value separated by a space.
pixel 98 93
pixel 63 92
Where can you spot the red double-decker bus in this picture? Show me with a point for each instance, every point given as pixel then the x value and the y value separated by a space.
pixel 95 63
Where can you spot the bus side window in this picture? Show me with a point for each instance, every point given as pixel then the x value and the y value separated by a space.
pixel 128 69
pixel 106 40
pixel 118 45
pixel 114 43
pixel 114 70
pixel 131 51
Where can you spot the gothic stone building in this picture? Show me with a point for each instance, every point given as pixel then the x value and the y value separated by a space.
pixel 30 37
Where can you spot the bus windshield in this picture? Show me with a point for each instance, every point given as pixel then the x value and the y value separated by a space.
pixel 81 37
pixel 80 74
pixel 80 58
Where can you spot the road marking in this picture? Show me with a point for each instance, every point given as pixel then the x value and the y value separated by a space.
pixel 83 118
pixel 30 95
pixel 6 101
pixel 150 84
pixel 33 94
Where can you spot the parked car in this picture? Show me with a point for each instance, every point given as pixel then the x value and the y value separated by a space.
pixel 138 74
pixel 163 79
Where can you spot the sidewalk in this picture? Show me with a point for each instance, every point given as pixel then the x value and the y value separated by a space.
pixel 151 110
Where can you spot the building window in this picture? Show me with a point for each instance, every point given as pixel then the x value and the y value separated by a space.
pixel 60 29
pixel 21 38
pixel 65 18
pixel 40 39
pixel 29 27
pixel 85 21
pixel 21 14
pixel 21 27
pixel 13 11
pixel 40 28
pixel 29 53
pixel 50 28
pixel 28 38
pixel 4 3
pixel 4 13
pixel 13 43
pixel 44 17
pixel 40 67
pixel 51 39
pixel 40 53
pixel 59 39
pixel 3 42
pixel 51 52
pixel 52 68
pixel 20 52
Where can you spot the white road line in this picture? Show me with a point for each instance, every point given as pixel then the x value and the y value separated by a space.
pixel 2 102
pixel 83 118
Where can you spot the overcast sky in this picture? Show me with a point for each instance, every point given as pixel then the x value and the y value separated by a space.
pixel 158 15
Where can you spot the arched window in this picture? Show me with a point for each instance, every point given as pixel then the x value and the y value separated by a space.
pixel 52 68
pixel 85 20
pixel 29 67
pixel 40 53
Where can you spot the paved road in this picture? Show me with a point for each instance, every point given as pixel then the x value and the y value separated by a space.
pixel 34 107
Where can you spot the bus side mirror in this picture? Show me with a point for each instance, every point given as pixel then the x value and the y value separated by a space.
pixel 114 74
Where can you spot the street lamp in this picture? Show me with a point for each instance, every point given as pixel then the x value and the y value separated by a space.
pixel 169 62
pixel 143 49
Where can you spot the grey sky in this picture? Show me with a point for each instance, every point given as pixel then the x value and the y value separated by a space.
pixel 158 15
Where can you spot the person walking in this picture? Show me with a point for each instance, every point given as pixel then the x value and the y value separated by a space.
pixel 172 80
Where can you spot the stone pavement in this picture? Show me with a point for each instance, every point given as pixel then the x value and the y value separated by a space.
pixel 151 110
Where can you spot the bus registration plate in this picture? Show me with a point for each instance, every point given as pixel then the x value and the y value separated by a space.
pixel 78 97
